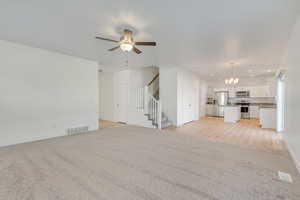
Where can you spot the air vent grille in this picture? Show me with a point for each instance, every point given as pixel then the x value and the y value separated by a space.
pixel 77 130
pixel 285 177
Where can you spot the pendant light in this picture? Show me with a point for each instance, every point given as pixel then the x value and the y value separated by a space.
pixel 233 80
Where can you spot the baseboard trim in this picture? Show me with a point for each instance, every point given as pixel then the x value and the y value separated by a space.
pixel 297 163
pixel 27 140
pixel 294 158
pixel 32 139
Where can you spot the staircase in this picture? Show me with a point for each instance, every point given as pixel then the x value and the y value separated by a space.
pixel 150 105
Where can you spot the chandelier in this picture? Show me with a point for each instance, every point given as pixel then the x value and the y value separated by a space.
pixel 233 80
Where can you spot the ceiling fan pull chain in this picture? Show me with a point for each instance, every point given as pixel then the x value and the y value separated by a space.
pixel 127 62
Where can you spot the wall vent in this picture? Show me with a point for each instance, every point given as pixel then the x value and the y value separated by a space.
pixel 77 130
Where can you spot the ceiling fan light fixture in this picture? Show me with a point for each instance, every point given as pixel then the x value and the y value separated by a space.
pixel 126 42
pixel 126 47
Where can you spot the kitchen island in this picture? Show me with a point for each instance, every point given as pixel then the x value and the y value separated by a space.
pixel 267 117
pixel 232 113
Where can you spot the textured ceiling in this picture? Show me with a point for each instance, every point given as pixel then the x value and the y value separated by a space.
pixel 202 35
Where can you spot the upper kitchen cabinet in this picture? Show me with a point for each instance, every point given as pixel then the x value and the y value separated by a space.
pixel 210 92
pixel 220 89
pixel 242 89
pixel 232 92
pixel 268 90
pixel 262 91
pixel 259 91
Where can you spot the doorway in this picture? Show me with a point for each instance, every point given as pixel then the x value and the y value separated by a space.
pixel 122 103
pixel 190 99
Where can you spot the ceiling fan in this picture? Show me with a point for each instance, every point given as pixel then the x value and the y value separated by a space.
pixel 127 43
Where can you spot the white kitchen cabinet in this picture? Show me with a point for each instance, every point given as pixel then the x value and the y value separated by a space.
pixel 267 117
pixel 232 114
pixel 220 89
pixel 259 91
pixel 211 110
pixel 242 89
pixel 232 92
pixel 210 92
pixel 254 112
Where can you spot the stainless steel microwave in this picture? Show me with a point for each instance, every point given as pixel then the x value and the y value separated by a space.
pixel 242 94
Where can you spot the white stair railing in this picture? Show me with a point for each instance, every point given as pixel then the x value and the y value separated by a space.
pixel 140 99
pixel 152 108
pixel 146 103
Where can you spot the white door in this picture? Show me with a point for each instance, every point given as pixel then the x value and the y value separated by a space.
pixel 190 90
pixel 122 102
pixel 106 104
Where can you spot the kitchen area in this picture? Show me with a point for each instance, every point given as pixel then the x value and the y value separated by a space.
pixel 236 103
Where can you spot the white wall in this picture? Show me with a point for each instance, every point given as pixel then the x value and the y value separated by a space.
pixel 106 96
pixel 177 86
pixel 292 61
pixel 43 92
pixel 168 92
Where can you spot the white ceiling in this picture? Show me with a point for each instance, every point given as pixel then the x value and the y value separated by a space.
pixel 202 35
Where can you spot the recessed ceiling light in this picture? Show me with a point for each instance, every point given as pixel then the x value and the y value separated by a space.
pixel 212 75
pixel 269 70
pixel 233 63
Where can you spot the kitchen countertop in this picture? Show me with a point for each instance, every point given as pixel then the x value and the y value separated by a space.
pixel 274 107
pixel 232 105
pixel 260 105
pixel 263 104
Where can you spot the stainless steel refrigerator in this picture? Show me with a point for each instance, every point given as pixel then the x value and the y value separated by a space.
pixel 222 100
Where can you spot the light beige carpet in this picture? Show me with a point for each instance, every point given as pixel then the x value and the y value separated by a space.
pixel 138 163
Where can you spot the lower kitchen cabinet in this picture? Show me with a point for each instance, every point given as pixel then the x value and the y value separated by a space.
pixel 211 110
pixel 267 117
pixel 254 112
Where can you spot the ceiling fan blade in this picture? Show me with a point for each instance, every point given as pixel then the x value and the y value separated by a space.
pixel 112 49
pixel 136 50
pixel 101 38
pixel 146 43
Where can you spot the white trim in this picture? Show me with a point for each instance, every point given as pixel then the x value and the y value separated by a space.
pixel 9 142
pixel 296 162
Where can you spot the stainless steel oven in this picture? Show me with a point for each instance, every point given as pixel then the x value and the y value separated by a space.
pixel 245 109
pixel 245 112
